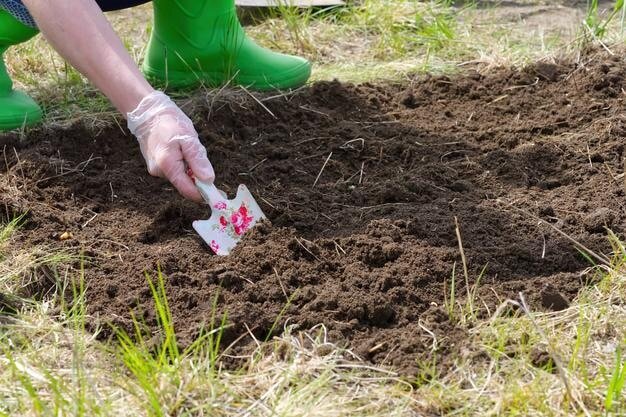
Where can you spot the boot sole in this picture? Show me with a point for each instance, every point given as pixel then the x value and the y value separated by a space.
pixel 180 79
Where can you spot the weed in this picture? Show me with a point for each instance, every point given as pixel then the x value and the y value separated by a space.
pixel 598 25
pixel 616 384
pixel 449 302
pixel 10 228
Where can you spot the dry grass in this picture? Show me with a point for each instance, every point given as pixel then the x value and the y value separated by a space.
pixel 371 40
pixel 518 362
pixel 51 367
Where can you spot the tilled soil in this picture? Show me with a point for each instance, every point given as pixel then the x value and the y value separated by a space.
pixel 367 249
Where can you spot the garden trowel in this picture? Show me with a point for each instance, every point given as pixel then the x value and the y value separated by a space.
pixel 230 219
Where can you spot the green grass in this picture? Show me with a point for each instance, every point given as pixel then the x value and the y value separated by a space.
pixel 598 24
pixel 616 383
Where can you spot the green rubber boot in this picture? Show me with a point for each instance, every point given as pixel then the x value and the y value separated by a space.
pixel 16 108
pixel 198 42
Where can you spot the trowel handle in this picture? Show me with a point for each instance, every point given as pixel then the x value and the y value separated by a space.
pixel 209 192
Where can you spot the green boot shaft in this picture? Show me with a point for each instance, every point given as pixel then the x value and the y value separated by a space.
pixel 12 32
pixel 16 108
pixel 202 41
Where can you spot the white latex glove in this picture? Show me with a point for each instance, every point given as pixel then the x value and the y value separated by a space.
pixel 169 143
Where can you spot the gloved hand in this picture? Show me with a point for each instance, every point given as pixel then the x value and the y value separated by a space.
pixel 168 140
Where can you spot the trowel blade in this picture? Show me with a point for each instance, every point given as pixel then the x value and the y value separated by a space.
pixel 229 221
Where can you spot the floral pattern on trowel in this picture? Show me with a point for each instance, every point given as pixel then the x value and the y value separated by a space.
pixel 230 219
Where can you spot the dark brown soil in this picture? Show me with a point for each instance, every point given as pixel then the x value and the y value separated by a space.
pixel 366 251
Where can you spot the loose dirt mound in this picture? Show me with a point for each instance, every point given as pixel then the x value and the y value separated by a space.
pixel 367 250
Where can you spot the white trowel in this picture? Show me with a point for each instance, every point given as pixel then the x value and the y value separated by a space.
pixel 230 219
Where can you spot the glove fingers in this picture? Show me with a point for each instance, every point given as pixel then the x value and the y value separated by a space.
pixel 196 157
pixel 174 170
pixel 185 185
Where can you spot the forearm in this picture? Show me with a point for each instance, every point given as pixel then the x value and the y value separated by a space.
pixel 78 30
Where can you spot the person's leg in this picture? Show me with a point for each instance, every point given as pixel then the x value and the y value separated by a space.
pixel 16 108
pixel 197 42
pixel 110 5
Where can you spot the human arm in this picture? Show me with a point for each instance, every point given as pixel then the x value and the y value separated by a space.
pixel 78 30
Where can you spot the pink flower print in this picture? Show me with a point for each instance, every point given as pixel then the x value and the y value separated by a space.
pixel 223 222
pixel 241 220
pixel 214 246
pixel 220 205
